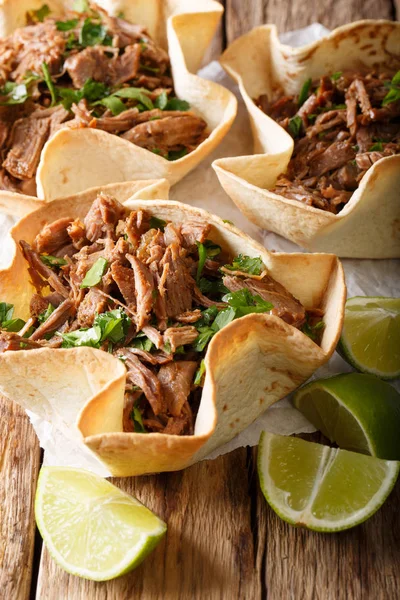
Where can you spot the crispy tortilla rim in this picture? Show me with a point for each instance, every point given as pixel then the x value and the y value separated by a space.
pixel 369 225
pixel 250 364
pixel 74 160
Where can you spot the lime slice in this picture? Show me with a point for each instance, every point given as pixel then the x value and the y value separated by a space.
pixel 90 527
pixel 358 412
pixel 370 339
pixel 322 488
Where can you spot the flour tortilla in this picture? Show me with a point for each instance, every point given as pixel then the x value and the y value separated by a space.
pixel 74 160
pixel 369 225
pixel 250 364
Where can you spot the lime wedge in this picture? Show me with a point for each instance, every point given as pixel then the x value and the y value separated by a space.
pixel 370 339
pixel 359 412
pixel 90 527
pixel 322 488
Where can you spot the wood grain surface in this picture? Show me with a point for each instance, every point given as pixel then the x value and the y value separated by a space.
pixel 19 467
pixel 223 541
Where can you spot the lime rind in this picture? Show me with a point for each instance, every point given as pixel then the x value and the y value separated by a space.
pixel 147 541
pixel 380 315
pixel 278 498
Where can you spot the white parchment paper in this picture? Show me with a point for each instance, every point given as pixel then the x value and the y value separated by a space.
pixel 201 188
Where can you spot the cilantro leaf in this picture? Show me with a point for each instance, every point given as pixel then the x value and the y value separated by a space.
pixel 46 313
pixel 113 103
pixel 52 261
pixel 393 94
pixel 199 376
pixel 245 303
pixel 295 125
pixel 92 33
pixel 156 223
pixel 177 154
pixel 312 330
pixel 91 91
pixel 111 326
pixel 139 94
pixel 6 312
pixel 49 83
pixel 246 264
pixel 223 318
pixel 67 25
pixel 95 273
pixel 208 286
pixel 136 417
pixel 14 93
pixel 177 104
pixel 304 92
pixel 14 325
pixel 161 101
pixel 203 338
pixel 336 76
pixel 208 249
pixel 142 342
pixel 378 146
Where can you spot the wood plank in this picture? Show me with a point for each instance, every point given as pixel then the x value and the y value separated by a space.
pixel 360 563
pixel 218 43
pixel 209 548
pixel 292 14
pixel 19 466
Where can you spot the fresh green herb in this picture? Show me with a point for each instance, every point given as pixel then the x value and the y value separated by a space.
pixel 14 93
pixel 49 83
pixel 139 94
pixel 311 117
pixel 67 25
pixel 142 342
pixel 95 273
pixel 114 325
pixel 202 340
pixel 156 223
pixel 161 101
pixel 304 92
pixel 93 33
pixel 81 6
pixel 114 104
pixel 6 312
pixel 394 90
pixel 206 250
pixel 378 146
pixel 136 417
pixel 246 264
pixel 177 104
pixel 223 318
pixel 46 313
pixel 156 151
pixel 71 42
pixel 40 14
pixel 207 286
pixel 14 325
pixel 245 303
pixel 199 377
pixel 207 317
pixel 228 221
pixel 295 125
pixel 177 154
pixel 312 330
pixel 91 91
pixel 150 69
pixel 52 261
pixel 336 107
pixel 336 76
pixel 111 326
pixel 356 148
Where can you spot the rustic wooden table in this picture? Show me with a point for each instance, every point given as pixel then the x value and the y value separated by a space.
pixel 223 541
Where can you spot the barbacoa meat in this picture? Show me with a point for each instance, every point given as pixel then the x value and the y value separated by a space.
pixel 115 83
pixel 142 304
pixel 345 124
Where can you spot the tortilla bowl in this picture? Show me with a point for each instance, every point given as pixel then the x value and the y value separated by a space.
pixel 74 160
pixel 369 224
pixel 250 364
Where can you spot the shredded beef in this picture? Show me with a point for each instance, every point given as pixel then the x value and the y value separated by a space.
pixel 346 126
pixel 176 380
